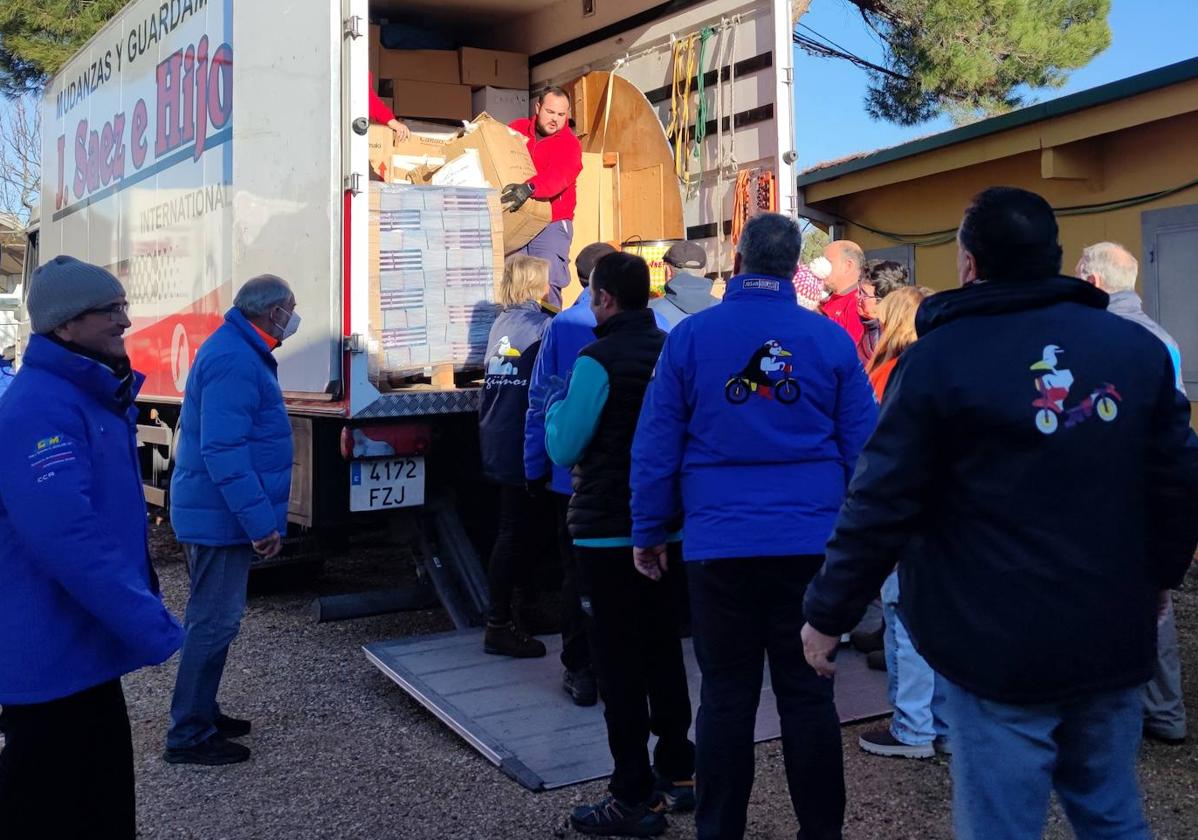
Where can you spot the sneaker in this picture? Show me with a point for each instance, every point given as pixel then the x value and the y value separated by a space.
pixel 506 640
pixel 1162 738
pixel 943 745
pixel 581 687
pixel 231 727
pixel 609 817
pixel 214 752
pixel 679 795
pixel 876 660
pixel 882 742
pixel 866 641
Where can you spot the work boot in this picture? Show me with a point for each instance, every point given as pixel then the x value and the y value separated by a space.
pixel 506 640
pixel 882 742
pixel 581 686
pixel 214 752
pixel 609 817
pixel 231 727
pixel 679 794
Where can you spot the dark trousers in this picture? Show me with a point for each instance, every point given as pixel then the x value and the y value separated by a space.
pixel 512 557
pixel 741 610
pixel 576 649
pixel 66 770
pixel 638 663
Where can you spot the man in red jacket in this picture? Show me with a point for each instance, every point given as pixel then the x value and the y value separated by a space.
pixel 380 113
pixel 557 156
pixel 847 261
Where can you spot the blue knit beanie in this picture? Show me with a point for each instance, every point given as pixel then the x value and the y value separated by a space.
pixel 65 288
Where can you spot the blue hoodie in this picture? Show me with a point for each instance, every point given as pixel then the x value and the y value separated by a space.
pixel 569 332
pixel 232 474
pixel 751 427
pixel 79 603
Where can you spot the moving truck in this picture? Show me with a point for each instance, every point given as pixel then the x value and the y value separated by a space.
pixel 194 144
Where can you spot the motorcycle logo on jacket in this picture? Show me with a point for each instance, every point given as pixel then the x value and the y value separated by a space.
pixel 1053 383
pixel 766 374
pixel 502 362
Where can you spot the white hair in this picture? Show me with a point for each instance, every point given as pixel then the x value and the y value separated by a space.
pixel 262 294
pixel 1112 264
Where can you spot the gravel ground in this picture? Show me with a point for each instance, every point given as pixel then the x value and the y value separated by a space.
pixel 341 752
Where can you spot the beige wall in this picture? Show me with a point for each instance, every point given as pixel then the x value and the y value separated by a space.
pixel 1143 159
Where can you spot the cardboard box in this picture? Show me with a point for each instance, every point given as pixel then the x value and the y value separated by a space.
pixel 502 104
pixel 432 100
pixel 505 160
pixel 416 151
pixel 421 66
pixel 375 46
pixel 480 68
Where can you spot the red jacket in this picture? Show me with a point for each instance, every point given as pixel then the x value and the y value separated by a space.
pixel 558 160
pixel 842 309
pixel 379 112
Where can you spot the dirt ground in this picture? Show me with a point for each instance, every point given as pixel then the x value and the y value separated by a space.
pixel 342 752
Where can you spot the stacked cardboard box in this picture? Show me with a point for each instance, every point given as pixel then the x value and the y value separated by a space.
pixel 420 83
pixel 499 81
pixel 436 261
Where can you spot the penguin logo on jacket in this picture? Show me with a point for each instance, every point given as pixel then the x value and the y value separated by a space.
pixel 502 361
pixel 767 374
pixel 1052 387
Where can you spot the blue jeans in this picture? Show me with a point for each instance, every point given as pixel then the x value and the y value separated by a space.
pixel 911 683
pixel 553 245
pixel 1164 706
pixel 219 575
pixel 1008 759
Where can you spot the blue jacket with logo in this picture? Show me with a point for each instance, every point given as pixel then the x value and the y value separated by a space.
pixel 512 350
pixel 79 602
pixel 232 473
pixel 1035 477
pixel 569 332
pixel 751 427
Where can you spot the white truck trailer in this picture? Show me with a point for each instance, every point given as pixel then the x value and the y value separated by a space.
pixel 194 144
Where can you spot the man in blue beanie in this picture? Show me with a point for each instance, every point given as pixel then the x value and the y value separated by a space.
pixel 79 602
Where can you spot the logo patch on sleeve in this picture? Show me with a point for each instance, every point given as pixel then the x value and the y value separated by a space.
pixel 51 452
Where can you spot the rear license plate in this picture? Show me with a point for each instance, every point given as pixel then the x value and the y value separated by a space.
pixel 386 483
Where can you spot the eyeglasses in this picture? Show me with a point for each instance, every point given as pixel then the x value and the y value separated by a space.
pixel 864 295
pixel 114 311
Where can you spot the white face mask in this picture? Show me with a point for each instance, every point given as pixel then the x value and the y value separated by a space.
pixel 821 267
pixel 291 327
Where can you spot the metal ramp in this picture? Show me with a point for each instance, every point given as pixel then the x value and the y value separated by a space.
pixel 514 712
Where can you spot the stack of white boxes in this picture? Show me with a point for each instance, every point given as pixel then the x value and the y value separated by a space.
pixel 436 258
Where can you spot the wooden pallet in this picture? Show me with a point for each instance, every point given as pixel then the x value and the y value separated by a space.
pixel 443 377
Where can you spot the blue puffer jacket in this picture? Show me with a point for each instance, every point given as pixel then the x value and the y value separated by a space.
pixel 79 603
pixel 232 473
pixel 751 427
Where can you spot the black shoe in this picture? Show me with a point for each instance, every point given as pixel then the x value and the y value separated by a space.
pixel 581 687
pixel 214 752
pixel 231 727
pixel 506 640
pixel 867 642
pixel 1161 738
pixel 678 794
pixel 609 817
pixel 876 660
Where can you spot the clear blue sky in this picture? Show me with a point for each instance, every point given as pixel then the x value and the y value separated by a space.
pixel 830 117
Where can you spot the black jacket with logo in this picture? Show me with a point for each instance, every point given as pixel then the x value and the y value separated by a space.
pixel 1035 476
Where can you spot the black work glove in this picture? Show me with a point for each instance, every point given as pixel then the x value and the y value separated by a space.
pixel 514 196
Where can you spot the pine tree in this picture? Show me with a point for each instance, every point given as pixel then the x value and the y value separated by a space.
pixel 971 58
pixel 38 36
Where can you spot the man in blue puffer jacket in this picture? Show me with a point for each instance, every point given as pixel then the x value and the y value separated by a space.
pixel 751 428
pixel 229 497
pixel 79 602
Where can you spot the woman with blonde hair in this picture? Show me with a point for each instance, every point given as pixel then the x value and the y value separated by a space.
pixel 896 313
pixel 511 351
pixel 916 730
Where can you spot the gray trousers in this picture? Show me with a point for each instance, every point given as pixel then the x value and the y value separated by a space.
pixel 1164 707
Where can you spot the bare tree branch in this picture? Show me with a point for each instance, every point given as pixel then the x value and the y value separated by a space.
pixel 20 158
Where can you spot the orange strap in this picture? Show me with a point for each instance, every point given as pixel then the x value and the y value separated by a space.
pixel 756 192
